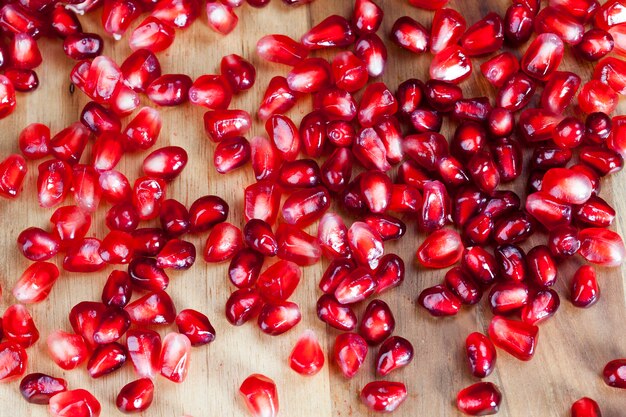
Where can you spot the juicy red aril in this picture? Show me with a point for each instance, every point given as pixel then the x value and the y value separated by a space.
pixel 278 318
pixel 83 46
pixel 260 396
pixel 114 186
pixel 541 306
pixel 553 20
pixel 84 318
pixel 67 350
pixel 148 193
pixel 37 245
pixel 481 354
pixel 116 247
pixel 146 275
pixel 543 56
pixel 307 357
pixel 440 249
pixel 463 286
pixel 377 323
pixel 153 308
pixel 245 267
pixel 196 326
pixel 223 242
pixel 78 402
pixel 305 206
pixel 165 163
pixel 64 22
pixel 239 73
pixel 211 91
pixel 243 305
pixel 371 49
pixel 614 373
pixel 480 399
pixel 383 396
pixel 451 64
pixel 334 31
pixel 447 28
pixel 70 224
pixel 13 361
pixel 148 241
pixel 24 52
pixel 221 18
pixel 515 337
pixel 169 89
pixel 281 49
pixel 395 353
pixel 511 261
pixel 135 396
pixel 410 35
pixel 365 244
pixel 114 322
pixel 439 301
pixel 177 254
pixel 106 359
pixel 144 348
pixel 480 264
pixel 508 297
pixel 279 281
pixel 38 388
pixel 586 407
pixel 584 287
pixel 349 71
pixel 485 36
pixel 117 290
pixel 34 142
pixel 152 34
pixel 367 16
pixel 595 44
pixel 518 23
pixel 349 353
pixel 601 246
pixel 226 124
pixel 541 267
pixel 140 69
pixel 338 316
pixel 36 282
pixel 356 286
pixel 261 201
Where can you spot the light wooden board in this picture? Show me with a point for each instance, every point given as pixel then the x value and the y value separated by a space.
pixel 573 347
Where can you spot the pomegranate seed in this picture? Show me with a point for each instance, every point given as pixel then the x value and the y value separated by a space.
pixel 117 290
pixel 175 357
pixel 500 122
pixel 153 308
pixel 145 274
pixel 508 297
pixel 239 73
pixel 148 194
pixel 114 322
pixel 278 318
pixel 395 352
pixel 301 173
pixel 165 163
pixel 598 127
pixel 174 218
pixel 38 388
pixel 36 282
pixel 278 282
pixel 367 16
pixel 211 91
pixel 177 13
pixel 148 241
pixel 281 49
pixel 106 359
pixel 83 46
pixel 377 322
pixel 595 96
pixel 309 76
pixel 245 267
pixel 64 22
pixel 34 142
pixel 223 242
pixel 585 289
pixel 67 350
pixel 604 161
pixel 451 64
pixel 86 184
pixel 613 373
pixel 553 20
pixel 7 96
pixel 135 396
pixel 369 150
pixel 377 103
pixel 484 172
pixel 480 399
pixel 336 271
pixel 118 15
pixel 436 208
pixel 405 199
pixel 516 338
pixel 484 36
pixel 231 154
pixel 13 361
pixel 611 72
pixel 243 305
pixel 169 89
pixel 37 245
pixel 12 172
pixel 116 248
pixel 278 98
pixel 206 212
pixel 439 301
pixel 371 50
pixel 480 264
pixel 226 124
pixel 500 68
pixel 513 228
pixel 338 316
pixel 152 34
pixel 548 210
pixel 334 31
pixel 177 254
pixel 468 202
pixel 313 132
pixel 543 56
pixel 84 318
pixel 595 212
pixel 447 28
pixel 78 402
pixel 601 246
pixel 518 23
pixel 297 246
pixel 260 396
pixel 463 286
pixel 140 69
pixel 356 286
pixel 440 249
pixel 195 326
pixel 349 352
pixel 595 44
pixel 221 18
pixel 261 201
pixel 564 242
pixel 383 396
pixel 16 19
pixel 144 349
pixel 481 354
pixel 410 35
pixel 349 71
pixel 540 307
pixel 586 407
pixel 24 52
pixel 23 80
pixel 307 357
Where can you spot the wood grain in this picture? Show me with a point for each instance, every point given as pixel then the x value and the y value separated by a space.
pixel 573 347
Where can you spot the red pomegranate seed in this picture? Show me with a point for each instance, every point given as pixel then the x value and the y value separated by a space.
pixel 553 20
pixel 145 274
pixel 165 163
pixel 38 388
pixel 148 241
pixel 226 124
pixel 564 242
pixel 231 154
pixel 309 76
pixel 245 267
pixel 601 246
pixel 107 151
pixel 281 49
pixel 16 19
pixel 561 88
pixel 86 184
pixel 468 202
pixel 435 211
pixel 439 301
pixel 500 68
pixel 223 242
pixel 383 396
pixel 12 172
pixel 116 247
pixel 69 144
pixel 34 142
pixel 516 338
pixel 67 350
pixel 484 36
pixel 313 132
pixel 334 31
pixel 169 89
pixel 113 324
pixel 447 28
pixel 451 65
pixel 262 201
pixel 7 96
pixel 211 91
pixel 260 396
pixel 243 305
pixel 595 212
pixel 336 271
pixel 278 98
pixel 206 212
pixel 83 46
pixel 519 23
pixel 278 282
pixel 78 402
pixel 37 245
pixel 239 73
pixel 106 359
pixel 480 399
pixel 548 210
pixel 365 244
pixel 174 218
pixel 24 52
pixel 259 236
pixel 595 96
pixel 516 92
pixel 152 34
pixel 377 323
pixel 13 361
pixel 586 407
pixel 480 264
pixel 195 326
pixel 377 103
pixel 611 71
pixel 144 349
pixel 410 35
pixel 440 249
pixel 405 199
pixel 23 80
pixel 541 306
pixel 543 56
pixel 307 357
pixel 148 194
pixel 301 173
pixel 481 354
pixel 508 297
pixel 349 353
pixel 140 69
pixel 338 316
pixel 135 396
pixel 484 172
pixel 595 44
pixel 118 15
pixel 395 353
pixel 177 254
pixel 278 318
pixel 463 286
pixel 371 50
pixel 35 283
pixel 221 18
pixel 297 246
pixel 64 22
pixel 349 71
pixel 369 150
pixel 613 373
pixel 153 308
pixel 117 290
pixel 514 228
pixel 598 127
pixel 604 161
pixel 84 318
pixel 305 206
pixel 177 13
pixel 367 16
pixel 356 286
pixel 584 288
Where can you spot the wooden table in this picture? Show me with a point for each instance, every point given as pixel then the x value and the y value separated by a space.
pixel 572 350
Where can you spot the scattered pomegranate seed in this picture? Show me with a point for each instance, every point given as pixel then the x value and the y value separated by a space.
pixel 307 357
pixel 480 399
pixel 38 388
pixel 260 396
pixel 383 396
pixel 78 402
pixel 135 396
pixel 586 407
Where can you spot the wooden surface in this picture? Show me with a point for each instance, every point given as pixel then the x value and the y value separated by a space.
pixel 572 349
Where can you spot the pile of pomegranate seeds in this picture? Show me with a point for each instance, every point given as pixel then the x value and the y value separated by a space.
pixel 370 153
